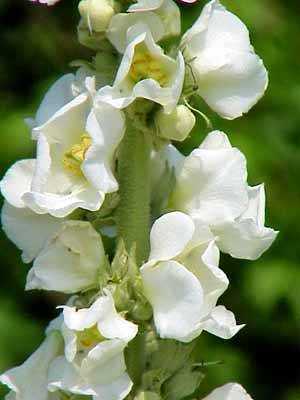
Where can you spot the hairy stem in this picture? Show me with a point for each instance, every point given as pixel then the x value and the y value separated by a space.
pixel 133 214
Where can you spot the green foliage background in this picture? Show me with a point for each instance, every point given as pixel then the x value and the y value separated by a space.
pixel 37 43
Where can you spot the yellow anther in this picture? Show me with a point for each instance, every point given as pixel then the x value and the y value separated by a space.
pixel 145 66
pixel 89 337
pixel 73 158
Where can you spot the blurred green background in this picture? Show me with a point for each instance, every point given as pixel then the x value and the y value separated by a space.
pixel 37 44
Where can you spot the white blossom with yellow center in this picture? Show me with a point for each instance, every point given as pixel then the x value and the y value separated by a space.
pixel 95 339
pixel 145 72
pixel 74 166
pixel 162 18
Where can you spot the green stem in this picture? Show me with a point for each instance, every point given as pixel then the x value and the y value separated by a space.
pixel 133 214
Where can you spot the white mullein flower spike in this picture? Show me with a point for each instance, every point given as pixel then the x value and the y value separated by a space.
pixel 230 391
pixel 94 363
pixel 71 261
pixel 145 72
pixel 162 18
pixel 75 158
pixel 212 182
pixel 184 261
pixel 30 380
pixel 18 222
pixel 230 76
pixel 246 236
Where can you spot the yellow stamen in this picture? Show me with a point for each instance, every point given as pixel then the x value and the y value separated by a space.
pixel 145 66
pixel 73 158
pixel 90 336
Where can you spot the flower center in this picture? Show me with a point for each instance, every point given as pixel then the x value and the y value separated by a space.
pixel 74 157
pixel 89 337
pixel 145 66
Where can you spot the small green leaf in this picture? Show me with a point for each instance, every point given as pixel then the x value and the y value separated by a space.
pixel 182 384
pixel 171 355
pixel 135 356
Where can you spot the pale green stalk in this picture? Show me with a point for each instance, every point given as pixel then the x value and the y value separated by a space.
pixel 133 214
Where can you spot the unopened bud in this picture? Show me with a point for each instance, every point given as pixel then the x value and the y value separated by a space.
pixel 177 125
pixel 96 13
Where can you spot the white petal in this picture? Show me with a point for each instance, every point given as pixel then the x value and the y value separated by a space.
pixel 59 94
pixel 230 391
pixel 247 237
pixel 222 323
pixel 203 262
pixel 106 126
pixel 71 261
pixel 176 296
pixel 29 380
pixel 61 206
pixel 232 86
pixel 120 23
pixel 105 370
pixel 64 375
pixel 103 313
pixel 170 235
pixel 17 181
pixel 230 76
pixel 17 222
pixel 145 5
pixel 166 9
pixel 111 325
pixel 212 183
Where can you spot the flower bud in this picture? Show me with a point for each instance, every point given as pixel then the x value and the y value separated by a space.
pixel 177 125
pixel 96 13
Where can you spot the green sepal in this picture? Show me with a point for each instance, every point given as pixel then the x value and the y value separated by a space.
pixel 162 191
pixel 171 355
pixel 135 357
pixel 182 384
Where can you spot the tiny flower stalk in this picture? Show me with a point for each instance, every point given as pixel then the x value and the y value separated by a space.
pixel 133 214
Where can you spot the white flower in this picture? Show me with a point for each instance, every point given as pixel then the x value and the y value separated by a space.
pixel 75 157
pixel 94 363
pixel 176 125
pixel 231 78
pixel 182 280
pixel 211 184
pixel 230 391
pixel 162 18
pixel 71 261
pixel 145 72
pixel 29 381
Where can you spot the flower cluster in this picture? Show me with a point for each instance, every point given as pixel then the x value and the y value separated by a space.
pixel 63 207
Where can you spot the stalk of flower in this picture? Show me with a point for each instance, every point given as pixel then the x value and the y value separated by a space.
pixel 138 308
